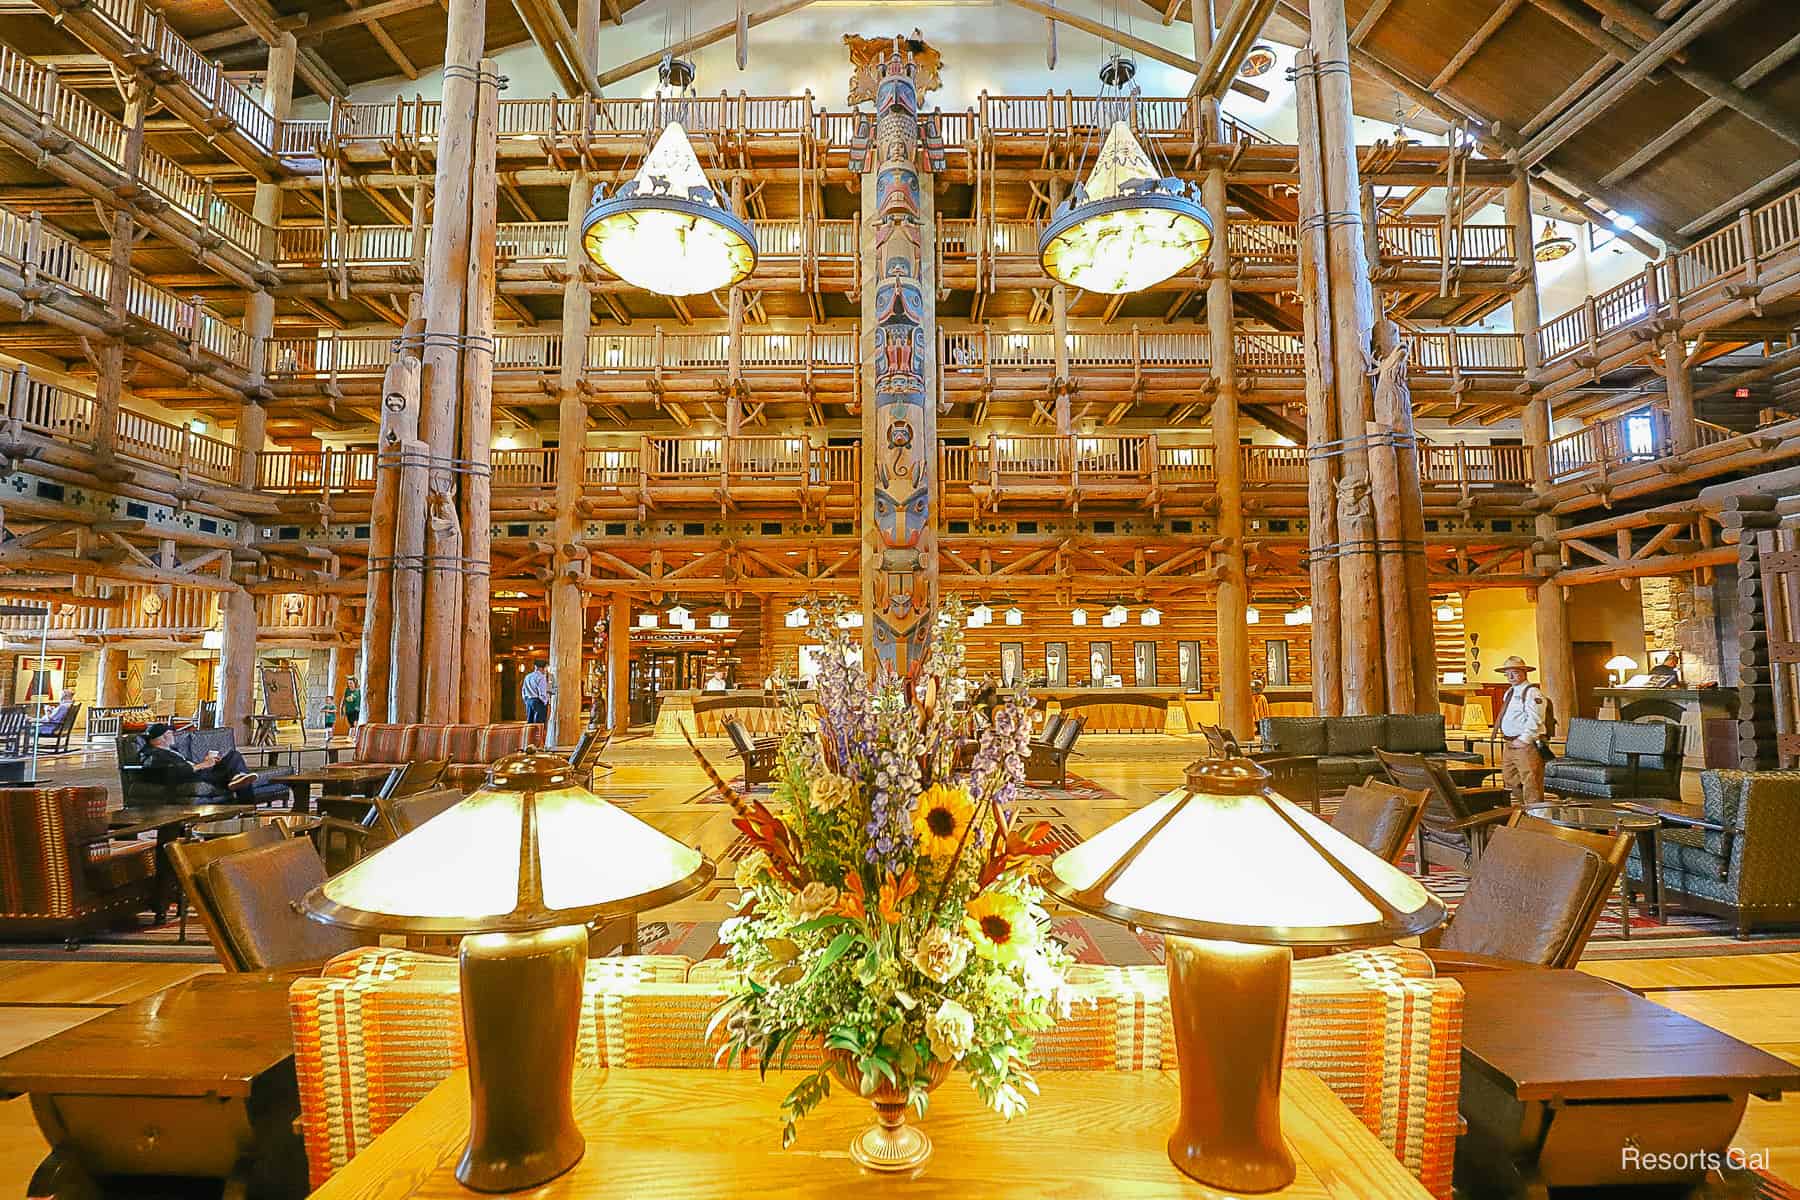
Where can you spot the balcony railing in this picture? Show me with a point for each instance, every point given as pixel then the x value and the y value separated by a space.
pixel 1726 258
pixel 67 416
pixel 1635 437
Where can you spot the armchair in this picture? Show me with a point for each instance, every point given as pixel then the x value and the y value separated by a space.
pixel 1456 822
pixel 1535 894
pixel 1738 861
pixel 757 754
pixel 1380 817
pixel 190 858
pixel 256 898
pixel 1618 760
pixel 1048 762
pixel 60 875
pixel 54 739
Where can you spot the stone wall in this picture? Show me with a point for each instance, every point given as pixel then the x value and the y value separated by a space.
pixel 1680 615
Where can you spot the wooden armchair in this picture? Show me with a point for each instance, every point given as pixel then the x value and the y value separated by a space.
pixel 585 757
pixel 1048 762
pixel 54 738
pixel 757 755
pixel 1456 822
pixel 1534 896
pixel 1380 817
pixel 190 858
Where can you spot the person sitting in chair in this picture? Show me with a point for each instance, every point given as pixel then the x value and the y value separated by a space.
pixel 51 722
pixel 162 765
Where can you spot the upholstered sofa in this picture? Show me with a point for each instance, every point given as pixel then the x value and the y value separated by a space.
pixel 1345 746
pixel 1618 760
pixel 1742 863
pixel 193 745
pixel 59 875
pixel 380 1028
pixel 469 749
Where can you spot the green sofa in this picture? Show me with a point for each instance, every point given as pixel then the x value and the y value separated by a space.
pixel 1345 746
pixel 1618 760
pixel 1740 862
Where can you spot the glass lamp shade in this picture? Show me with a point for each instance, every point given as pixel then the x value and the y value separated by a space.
pixel 665 230
pixel 1621 662
pixel 1127 227
pixel 533 849
pixel 1225 858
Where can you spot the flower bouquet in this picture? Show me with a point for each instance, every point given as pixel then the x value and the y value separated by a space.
pixel 888 918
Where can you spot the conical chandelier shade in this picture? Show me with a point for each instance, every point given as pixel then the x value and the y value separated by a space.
pixel 665 230
pixel 1127 226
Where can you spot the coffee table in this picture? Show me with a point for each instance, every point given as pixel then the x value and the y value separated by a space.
pixel 1604 818
pixel 196 1081
pixel 1570 1081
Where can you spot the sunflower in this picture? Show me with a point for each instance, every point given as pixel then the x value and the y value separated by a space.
pixel 942 819
pixel 1001 927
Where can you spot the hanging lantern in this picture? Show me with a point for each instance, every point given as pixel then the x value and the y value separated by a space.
pixel 980 616
pixel 678 615
pixel 646 620
pixel 665 229
pixel 1258 61
pixel 1014 617
pixel 1078 617
pixel 1252 616
pixel 1150 616
pixel 796 617
pixel 1129 225
pixel 719 620
pixel 1552 245
pixel 1119 614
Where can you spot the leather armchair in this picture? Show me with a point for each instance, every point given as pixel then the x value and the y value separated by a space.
pixel 256 895
pixel 1380 817
pixel 1048 762
pixel 191 857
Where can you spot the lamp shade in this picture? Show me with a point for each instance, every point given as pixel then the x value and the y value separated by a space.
pixel 1127 226
pixel 533 849
pixel 665 230
pixel 1227 859
pixel 1621 662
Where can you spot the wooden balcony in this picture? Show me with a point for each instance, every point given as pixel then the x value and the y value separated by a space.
pixel 67 418
pixel 1750 266
pixel 1642 436
pixel 135 37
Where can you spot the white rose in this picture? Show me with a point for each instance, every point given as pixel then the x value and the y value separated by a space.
pixel 940 955
pixel 951 1030
pixel 749 867
pixel 814 900
pixel 830 792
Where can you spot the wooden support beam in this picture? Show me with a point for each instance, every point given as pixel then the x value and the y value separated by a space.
pixel 699 41
pixel 1470 48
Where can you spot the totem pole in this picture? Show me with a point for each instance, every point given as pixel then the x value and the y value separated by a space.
pixel 899 416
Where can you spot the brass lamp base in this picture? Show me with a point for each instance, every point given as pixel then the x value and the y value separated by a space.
pixel 521 1002
pixel 1228 1003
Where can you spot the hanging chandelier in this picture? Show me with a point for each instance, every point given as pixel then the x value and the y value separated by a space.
pixel 1552 245
pixel 1129 224
pixel 665 229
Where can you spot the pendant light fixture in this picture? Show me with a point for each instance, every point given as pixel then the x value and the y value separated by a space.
pixel 1130 224
pixel 1078 617
pixel 665 230
pixel 1552 245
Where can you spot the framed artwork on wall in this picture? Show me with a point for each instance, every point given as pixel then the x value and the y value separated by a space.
pixel 1099 662
pixel 1188 664
pixel 1143 660
pixel 1056 664
pixel 38 678
pixel 1012 664
pixel 1275 659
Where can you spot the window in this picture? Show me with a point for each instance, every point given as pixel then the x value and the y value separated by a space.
pixel 1640 435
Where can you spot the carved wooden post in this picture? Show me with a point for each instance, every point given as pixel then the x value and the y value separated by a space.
pixel 1556 662
pixel 567 613
pixel 110 382
pixel 899 321
pixel 259 307
pixel 399 427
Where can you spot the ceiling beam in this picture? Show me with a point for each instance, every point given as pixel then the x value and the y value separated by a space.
pixel 1237 34
pixel 1107 33
pixel 699 41
pixel 388 45
pixel 1472 47
pixel 1365 24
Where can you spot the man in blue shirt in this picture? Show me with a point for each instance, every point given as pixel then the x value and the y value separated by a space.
pixel 536 693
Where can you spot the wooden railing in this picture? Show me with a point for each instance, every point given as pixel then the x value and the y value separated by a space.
pixel 524 242
pixel 140 31
pixel 1728 257
pixel 1641 436
pixel 67 416
pixel 1423 242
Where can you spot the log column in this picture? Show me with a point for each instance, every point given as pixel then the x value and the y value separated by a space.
pixel 1321 404
pixel 1556 660
pixel 899 341
pixel 237 660
pixel 734 339
pixel 259 308
pixel 567 613
pixel 475 689
pixel 1353 323
pixel 618 662
pixel 109 689
pixel 109 384
pixel 1059 325
pixel 1678 377
pixel 1232 596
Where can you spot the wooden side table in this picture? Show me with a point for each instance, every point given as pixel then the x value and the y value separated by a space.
pixel 676 1134
pixel 197 1081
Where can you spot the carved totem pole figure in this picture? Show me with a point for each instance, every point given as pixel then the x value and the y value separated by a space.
pixel 900 425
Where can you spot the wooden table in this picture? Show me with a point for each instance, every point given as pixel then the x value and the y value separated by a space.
pixel 348 776
pixel 170 821
pixel 197 1081
pixel 1562 1073
pixel 672 1133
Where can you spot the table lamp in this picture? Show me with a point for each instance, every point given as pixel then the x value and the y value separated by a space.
pixel 1235 875
pixel 521 867
pixel 1621 666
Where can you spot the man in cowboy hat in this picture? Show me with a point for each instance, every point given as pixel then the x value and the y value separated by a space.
pixel 1524 713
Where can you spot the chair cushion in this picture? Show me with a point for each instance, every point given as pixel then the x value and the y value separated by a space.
pixel 1590 739
pixel 1581 771
pixel 1354 735
pixel 462 743
pixel 1526 898
pixel 1294 735
pixel 1655 743
pixel 1374 821
pixel 428 741
pixel 257 894
pixel 1415 733
pixel 498 741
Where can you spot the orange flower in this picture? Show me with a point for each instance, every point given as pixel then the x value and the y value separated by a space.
pixel 850 900
pixel 893 891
